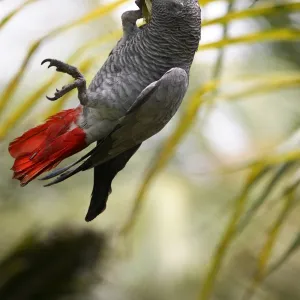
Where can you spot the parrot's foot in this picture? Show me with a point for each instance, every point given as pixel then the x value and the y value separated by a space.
pixel 138 4
pixel 64 90
pixel 63 67
pixel 130 17
pixel 70 70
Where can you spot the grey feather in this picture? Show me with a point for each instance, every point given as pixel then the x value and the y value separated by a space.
pixel 149 114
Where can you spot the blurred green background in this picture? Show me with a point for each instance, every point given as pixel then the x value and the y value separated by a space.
pixel 207 209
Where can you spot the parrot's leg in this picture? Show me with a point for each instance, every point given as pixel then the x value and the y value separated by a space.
pixel 62 67
pixel 87 98
pixel 129 19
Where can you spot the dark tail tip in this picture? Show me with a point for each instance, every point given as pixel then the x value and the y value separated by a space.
pixel 93 212
pixel 103 177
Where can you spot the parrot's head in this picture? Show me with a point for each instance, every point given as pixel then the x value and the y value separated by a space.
pixel 176 11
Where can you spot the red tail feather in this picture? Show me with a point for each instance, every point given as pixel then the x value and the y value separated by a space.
pixel 45 146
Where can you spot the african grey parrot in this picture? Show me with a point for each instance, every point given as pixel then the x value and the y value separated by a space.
pixel 132 97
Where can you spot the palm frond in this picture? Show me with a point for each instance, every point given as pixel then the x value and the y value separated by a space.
pixel 7 18
pixel 228 237
pixel 273 9
pixel 266 251
pixel 294 246
pixel 282 34
pixel 275 179
pixel 14 82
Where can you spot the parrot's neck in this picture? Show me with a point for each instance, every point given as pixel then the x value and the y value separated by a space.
pixel 174 44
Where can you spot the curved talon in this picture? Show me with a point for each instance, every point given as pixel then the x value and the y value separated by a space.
pixel 51 98
pixel 46 60
pixel 52 63
pixel 63 67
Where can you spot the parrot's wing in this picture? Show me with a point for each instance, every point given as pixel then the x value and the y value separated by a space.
pixel 152 110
